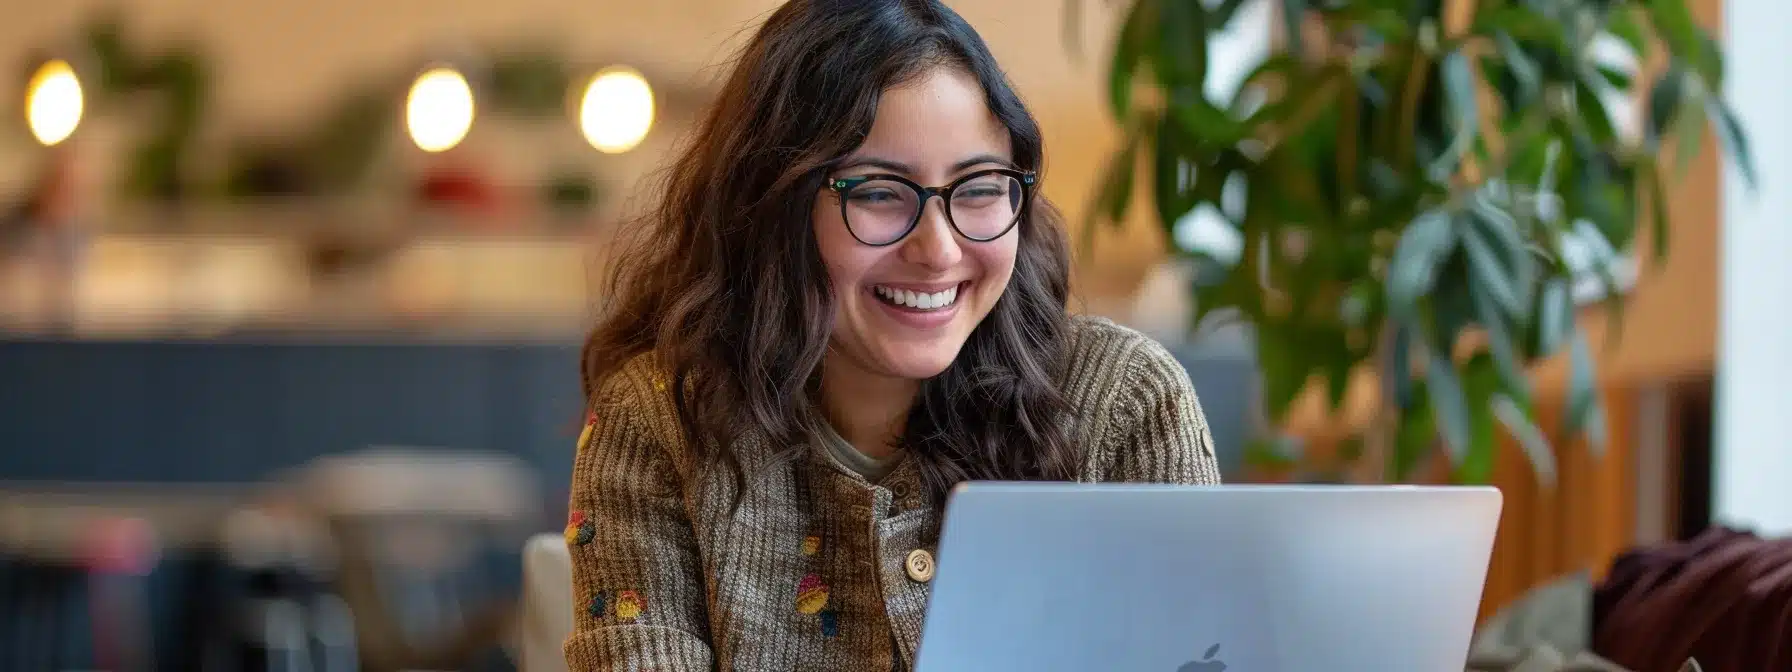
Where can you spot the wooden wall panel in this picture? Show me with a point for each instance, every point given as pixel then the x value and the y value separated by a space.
pixel 1582 522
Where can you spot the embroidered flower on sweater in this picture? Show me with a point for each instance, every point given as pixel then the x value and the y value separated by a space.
pixel 811 595
pixel 811 545
pixel 629 604
pixel 830 623
pixel 590 424
pixel 579 529
pixel 625 605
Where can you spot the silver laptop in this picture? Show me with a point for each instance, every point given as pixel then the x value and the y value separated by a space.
pixel 1149 578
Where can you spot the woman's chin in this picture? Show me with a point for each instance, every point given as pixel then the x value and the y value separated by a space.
pixel 919 362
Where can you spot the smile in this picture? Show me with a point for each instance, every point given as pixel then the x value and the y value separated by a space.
pixel 917 300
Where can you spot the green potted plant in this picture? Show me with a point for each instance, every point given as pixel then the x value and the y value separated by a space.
pixel 1411 183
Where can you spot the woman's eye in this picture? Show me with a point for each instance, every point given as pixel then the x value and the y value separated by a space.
pixel 873 196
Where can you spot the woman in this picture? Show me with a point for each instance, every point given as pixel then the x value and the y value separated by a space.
pixel 807 349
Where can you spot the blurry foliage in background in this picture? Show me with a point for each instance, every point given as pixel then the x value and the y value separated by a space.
pixel 1404 190
pixel 168 89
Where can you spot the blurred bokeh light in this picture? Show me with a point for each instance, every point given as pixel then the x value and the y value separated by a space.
pixel 616 111
pixel 53 103
pixel 439 110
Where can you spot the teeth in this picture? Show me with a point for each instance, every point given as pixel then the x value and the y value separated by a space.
pixel 918 300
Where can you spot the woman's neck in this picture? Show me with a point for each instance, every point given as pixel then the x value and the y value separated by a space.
pixel 866 409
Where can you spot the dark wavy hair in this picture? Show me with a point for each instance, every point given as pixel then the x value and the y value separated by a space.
pixel 724 284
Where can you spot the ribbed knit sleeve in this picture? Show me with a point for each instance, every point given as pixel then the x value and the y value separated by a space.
pixel 1161 433
pixel 1141 421
pixel 640 601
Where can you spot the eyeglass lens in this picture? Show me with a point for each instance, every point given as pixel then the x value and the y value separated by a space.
pixel 880 212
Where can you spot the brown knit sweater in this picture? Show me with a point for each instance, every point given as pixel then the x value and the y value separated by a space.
pixel 816 571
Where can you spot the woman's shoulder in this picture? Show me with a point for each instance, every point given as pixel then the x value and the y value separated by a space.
pixel 1139 419
pixel 635 394
pixel 1103 353
pixel 640 380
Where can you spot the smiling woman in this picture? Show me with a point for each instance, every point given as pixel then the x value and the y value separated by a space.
pixel 913 277
pixel 850 298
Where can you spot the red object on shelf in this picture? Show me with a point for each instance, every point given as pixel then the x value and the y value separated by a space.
pixel 450 185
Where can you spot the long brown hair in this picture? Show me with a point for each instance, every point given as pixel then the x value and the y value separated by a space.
pixel 724 284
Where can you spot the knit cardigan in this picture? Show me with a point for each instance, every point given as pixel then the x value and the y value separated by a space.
pixel 816 568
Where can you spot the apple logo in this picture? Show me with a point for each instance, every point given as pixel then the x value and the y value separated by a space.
pixel 1207 663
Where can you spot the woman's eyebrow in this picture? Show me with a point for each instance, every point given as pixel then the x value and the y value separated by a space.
pixel 982 159
pixel 901 168
pixel 880 163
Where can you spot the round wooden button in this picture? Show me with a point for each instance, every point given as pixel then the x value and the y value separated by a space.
pixel 919 565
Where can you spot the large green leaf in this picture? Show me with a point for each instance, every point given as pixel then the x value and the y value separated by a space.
pixel 1397 369
pixel 1592 114
pixel 1207 124
pixel 1729 131
pixel 1527 76
pixel 1136 40
pixel 1664 103
pixel 1450 403
pixel 1614 78
pixel 1522 23
pixel 1181 62
pixel 1503 234
pixel 1451 308
pixel 1585 413
pixel 1517 419
pixel 1689 131
pixel 1488 275
pixel 1172 175
pixel 1424 246
pixel 1459 88
pixel 1499 344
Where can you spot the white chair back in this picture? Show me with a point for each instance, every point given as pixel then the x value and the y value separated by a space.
pixel 547 603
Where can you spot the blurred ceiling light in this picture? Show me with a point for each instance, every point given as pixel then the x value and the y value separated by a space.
pixel 617 110
pixel 53 102
pixel 439 111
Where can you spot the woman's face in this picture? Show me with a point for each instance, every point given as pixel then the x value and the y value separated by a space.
pixel 904 310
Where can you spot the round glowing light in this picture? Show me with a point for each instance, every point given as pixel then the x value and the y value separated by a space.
pixel 616 111
pixel 439 111
pixel 53 103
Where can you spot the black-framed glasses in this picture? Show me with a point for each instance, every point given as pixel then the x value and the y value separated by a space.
pixel 982 206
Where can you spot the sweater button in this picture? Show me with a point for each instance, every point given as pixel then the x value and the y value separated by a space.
pixel 919 566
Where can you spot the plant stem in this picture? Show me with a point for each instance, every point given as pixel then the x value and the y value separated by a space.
pixel 1379 436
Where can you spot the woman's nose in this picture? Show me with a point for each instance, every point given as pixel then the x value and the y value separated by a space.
pixel 933 244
